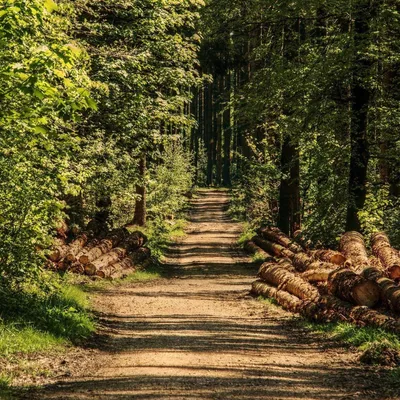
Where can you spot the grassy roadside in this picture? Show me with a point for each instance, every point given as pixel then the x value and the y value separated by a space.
pixel 50 321
pixel 39 319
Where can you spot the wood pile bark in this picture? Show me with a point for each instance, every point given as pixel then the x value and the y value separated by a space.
pixel 114 256
pixel 328 285
pixel 386 254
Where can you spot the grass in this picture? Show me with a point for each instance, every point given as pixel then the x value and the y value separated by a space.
pixel 15 339
pixel 247 234
pixel 45 316
pixel 360 337
pixel 56 308
pixel 162 233
pixel 378 346
pixel 268 301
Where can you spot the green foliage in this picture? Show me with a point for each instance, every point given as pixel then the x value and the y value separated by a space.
pixel 246 234
pixel 43 88
pixel 17 340
pixel 161 234
pixel 294 74
pixel 52 308
pixel 171 178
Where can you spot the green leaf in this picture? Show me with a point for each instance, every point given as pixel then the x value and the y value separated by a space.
pixel 50 5
pixel 40 129
pixel 38 94
pixel 91 103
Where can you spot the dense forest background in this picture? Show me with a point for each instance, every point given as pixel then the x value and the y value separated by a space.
pixel 302 114
pixel 115 109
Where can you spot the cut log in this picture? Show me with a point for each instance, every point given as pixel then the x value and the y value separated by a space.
pixel 284 299
pixel 105 260
pixel 272 248
pixel 317 275
pixel 102 248
pixel 110 271
pixel 141 255
pixel 281 275
pixel 252 248
pixel 75 247
pixel 390 291
pixel 62 229
pixel 118 236
pixel 134 241
pixel 329 256
pixel 349 286
pixel 388 256
pixel 352 246
pixel 77 268
pixel 327 309
pixel 302 262
pixel 277 236
pixel 58 252
pixel 89 246
pixel 125 263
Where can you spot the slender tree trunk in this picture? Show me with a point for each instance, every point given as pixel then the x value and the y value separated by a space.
pixel 360 153
pixel 208 132
pixel 289 195
pixel 199 133
pixel 226 173
pixel 140 206
pixel 219 129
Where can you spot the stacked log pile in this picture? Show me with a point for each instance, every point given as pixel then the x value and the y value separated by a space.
pixel 327 285
pixel 114 256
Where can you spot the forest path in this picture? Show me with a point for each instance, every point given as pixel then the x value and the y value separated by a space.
pixel 198 335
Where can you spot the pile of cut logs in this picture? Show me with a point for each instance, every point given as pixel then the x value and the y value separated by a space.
pixel 327 285
pixel 115 256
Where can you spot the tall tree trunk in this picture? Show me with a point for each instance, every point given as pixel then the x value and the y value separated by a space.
pixel 226 172
pixel 360 153
pixel 199 132
pixel 140 206
pixel 289 194
pixel 208 116
pixel 219 108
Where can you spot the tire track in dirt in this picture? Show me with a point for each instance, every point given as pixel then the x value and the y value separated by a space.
pixel 198 335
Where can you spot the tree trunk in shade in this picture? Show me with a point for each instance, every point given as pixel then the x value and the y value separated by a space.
pixel 140 206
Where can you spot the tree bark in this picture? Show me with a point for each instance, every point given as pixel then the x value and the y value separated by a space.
pixel 352 246
pixel 273 248
pixel 289 192
pixel 227 130
pixel 275 235
pixel 75 247
pixel 388 256
pixel 281 276
pixel 353 288
pixel 360 152
pixel 104 261
pixel 140 206
pixel 102 248
pixel 329 256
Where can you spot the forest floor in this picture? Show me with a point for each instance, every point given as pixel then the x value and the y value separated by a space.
pixel 197 334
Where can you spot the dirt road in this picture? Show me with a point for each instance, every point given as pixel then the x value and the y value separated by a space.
pixel 198 335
